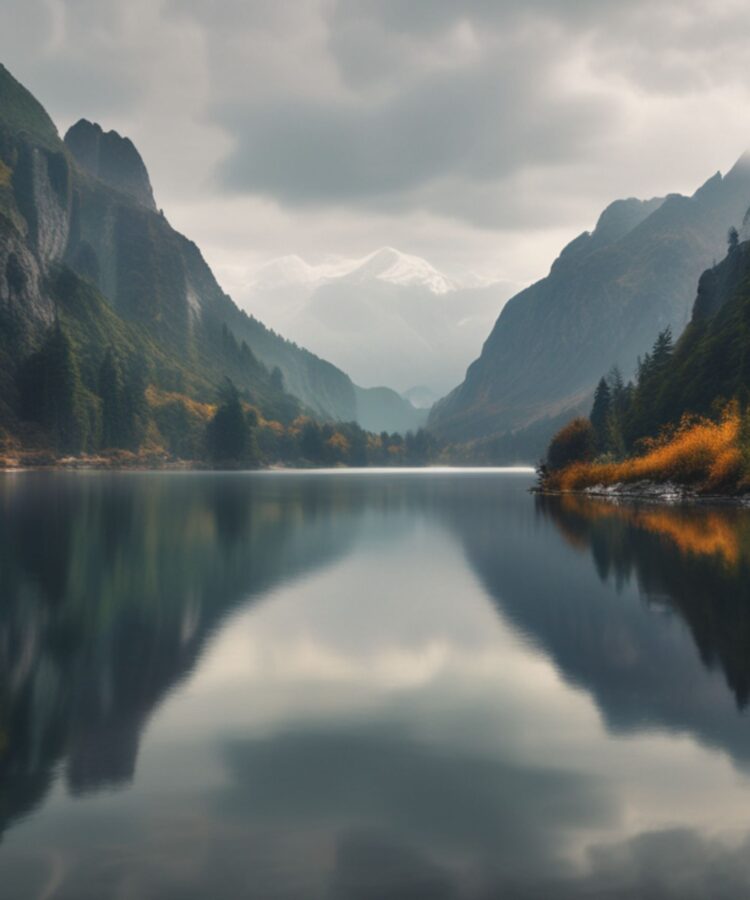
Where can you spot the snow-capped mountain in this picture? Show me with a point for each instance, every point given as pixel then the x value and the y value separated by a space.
pixel 386 265
pixel 389 318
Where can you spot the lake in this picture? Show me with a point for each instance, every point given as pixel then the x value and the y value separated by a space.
pixel 368 685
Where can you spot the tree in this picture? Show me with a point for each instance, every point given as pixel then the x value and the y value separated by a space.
pixel 111 393
pixel 662 351
pixel 601 411
pixel 575 442
pixel 134 405
pixel 618 391
pixel 733 239
pixel 122 390
pixel 650 406
pixel 228 431
pixel 277 379
pixel 52 393
pixel 312 442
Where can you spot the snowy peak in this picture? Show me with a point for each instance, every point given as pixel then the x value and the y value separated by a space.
pixel 387 264
pixel 399 268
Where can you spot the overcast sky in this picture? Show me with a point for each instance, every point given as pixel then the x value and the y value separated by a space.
pixel 476 133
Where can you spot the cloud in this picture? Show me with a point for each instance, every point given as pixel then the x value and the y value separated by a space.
pixel 477 126
pixel 343 124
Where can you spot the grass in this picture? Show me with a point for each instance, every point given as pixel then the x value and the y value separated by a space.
pixel 700 453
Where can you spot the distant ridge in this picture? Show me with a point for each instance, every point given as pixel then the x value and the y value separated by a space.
pixel 605 298
pixel 386 318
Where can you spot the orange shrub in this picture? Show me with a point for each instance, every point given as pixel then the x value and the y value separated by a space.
pixel 700 452
pixel 573 443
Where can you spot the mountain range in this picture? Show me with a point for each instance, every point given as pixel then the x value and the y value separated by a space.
pixel 82 242
pixel 606 297
pixel 388 318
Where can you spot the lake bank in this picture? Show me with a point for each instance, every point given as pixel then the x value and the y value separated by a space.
pixel 651 491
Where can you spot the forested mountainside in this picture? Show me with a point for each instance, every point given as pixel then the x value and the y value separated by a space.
pixel 605 298
pixel 685 418
pixel 85 253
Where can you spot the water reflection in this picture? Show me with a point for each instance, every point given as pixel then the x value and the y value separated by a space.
pixel 400 686
pixel 110 588
pixel 693 561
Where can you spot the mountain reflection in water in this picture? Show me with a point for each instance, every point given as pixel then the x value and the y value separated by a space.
pixel 359 685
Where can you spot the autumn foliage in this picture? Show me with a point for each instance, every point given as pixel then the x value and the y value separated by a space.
pixel 700 453
pixel 574 443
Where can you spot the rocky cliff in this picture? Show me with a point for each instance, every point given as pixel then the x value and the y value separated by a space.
pixel 84 208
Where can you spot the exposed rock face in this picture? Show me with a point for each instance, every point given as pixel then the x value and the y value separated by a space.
pixel 604 301
pixel 23 300
pixel 80 234
pixel 112 159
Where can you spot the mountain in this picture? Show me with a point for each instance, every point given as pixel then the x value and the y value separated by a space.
pixel 112 159
pixel 711 361
pixel 388 318
pixel 82 243
pixel 379 405
pixel 605 298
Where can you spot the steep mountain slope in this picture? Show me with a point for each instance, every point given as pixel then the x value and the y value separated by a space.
pixel 81 240
pixel 389 318
pixel 155 276
pixel 606 297
pixel 711 361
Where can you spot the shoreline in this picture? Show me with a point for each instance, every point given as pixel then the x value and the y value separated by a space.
pixel 76 464
pixel 665 493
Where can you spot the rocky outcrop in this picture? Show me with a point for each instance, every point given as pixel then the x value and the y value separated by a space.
pixel 112 159
pixel 24 302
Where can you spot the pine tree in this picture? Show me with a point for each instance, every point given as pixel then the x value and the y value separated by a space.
pixel 277 379
pixel 111 393
pixel 733 240
pixel 600 413
pixel 134 405
pixel 312 442
pixel 228 432
pixel 662 351
pixel 52 393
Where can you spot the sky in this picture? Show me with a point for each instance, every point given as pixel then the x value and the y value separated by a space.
pixel 479 134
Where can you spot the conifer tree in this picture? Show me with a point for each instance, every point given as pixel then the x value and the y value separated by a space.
pixel 134 406
pixel 228 431
pixel 600 413
pixel 52 393
pixel 111 393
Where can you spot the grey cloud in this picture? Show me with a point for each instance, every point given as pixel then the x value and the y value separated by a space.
pixel 477 125
pixel 69 56
pixel 463 114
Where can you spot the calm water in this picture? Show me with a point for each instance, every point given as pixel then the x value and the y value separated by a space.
pixel 368 685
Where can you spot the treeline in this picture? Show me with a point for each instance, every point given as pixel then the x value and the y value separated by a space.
pixel 237 433
pixel 121 413
pixel 685 417
pixel 71 418
pixel 622 415
pixel 708 369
